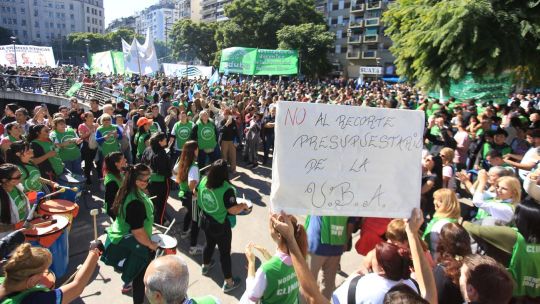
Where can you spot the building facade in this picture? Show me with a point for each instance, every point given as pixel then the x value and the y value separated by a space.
pixel 127 22
pixel 43 21
pixel 213 10
pixel 360 40
pixel 158 18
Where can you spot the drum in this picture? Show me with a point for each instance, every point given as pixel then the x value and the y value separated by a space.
pixel 241 200
pixel 166 243
pixel 70 180
pixel 54 237
pixel 65 208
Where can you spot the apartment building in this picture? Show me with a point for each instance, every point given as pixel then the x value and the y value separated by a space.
pixel 44 21
pixel 213 10
pixel 158 18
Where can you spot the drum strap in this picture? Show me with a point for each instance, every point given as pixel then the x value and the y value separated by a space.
pixel 351 292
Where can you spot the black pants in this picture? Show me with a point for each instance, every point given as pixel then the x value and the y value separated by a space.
pixel 188 219
pixel 87 156
pixel 221 235
pixel 161 191
pixel 138 288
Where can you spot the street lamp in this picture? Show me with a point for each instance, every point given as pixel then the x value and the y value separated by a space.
pixel 13 40
pixel 86 42
pixel 378 60
pixel 186 46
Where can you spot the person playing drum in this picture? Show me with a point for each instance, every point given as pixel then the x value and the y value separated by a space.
pixel 15 206
pixel 45 155
pixel 28 278
pixel 20 154
pixel 129 236
pixel 114 166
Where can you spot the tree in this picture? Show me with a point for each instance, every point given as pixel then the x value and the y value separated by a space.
pixel 254 23
pixel 313 41
pixel 99 42
pixel 438 41
pixel 5 36
pixel 194 39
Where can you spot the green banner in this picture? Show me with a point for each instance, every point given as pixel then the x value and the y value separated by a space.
pixel 118 61
pixel 487 88
pixel 250 61
pixel 109 62
pixel 74 88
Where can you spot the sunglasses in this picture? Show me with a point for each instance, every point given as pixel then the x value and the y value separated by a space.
pixel 144 180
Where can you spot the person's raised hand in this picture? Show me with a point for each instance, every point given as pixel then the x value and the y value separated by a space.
pixel 250 256
pixel 97 246
pixel 482 176
pixel 416 220
pixel 462 176
pixel 283 225
pixel 263 251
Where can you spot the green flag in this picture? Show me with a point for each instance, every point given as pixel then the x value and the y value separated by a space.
pixel 250 61
pixel 74 88
pixel 118 62
pixel 101 63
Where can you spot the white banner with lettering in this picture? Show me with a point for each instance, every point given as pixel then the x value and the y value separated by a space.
pixel 27 56
pixel 370 70
pixel 193 71
pixel 344 160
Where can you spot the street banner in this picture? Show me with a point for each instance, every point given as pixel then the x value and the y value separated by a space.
pixel 192 71
pixel 487 88
pixel 251 61
pixel 74 89
pixel 101 62
pixel 27 56
pixel 348 161
pixel 118 61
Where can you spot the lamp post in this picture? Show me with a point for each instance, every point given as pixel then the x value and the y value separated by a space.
pixel 186 46
pixel 378 60
pixel 13 40
pixel 86 42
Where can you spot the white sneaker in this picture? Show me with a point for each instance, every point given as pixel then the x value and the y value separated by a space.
pixel 196 250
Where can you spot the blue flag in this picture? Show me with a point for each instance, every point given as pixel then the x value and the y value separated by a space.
pixel 214 78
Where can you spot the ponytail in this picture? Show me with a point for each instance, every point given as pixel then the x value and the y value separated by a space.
pixel 129 185
pixel 6 170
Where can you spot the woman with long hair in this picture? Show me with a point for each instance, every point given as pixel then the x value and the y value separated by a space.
pixel 67 141
pixel 14 133
pixel 128 238
pixel 20 154
pixel 498 210
pixel 157 159
pixel 454 244
pixel 45 155
pixel 114 167
pixel 27 278
pixel 448 170
pixel 142 136
pixel 15 205
pixel 262 285
pixel 87 130
pixel 217 199
pixel 447 210
pixel 188 178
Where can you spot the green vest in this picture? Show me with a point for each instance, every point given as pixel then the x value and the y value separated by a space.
pixel 154 128
pixel 182 133
pixel 482 214
pixel 434 220
pixel 30 180
pixel 525 268
pixel 19 297
pixel 184 186
pixel 20 201
pixel 55 161
pixel 211 200
pixel 70 152
pixel 120 227
pixel 140 139
pixel 334 230
pixel 111 144
pixel 206 135
pixel 487 147
pixel 281 283
pixel 203 300
pixel 109 177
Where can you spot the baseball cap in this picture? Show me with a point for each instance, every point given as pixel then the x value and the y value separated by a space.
pixel 143 121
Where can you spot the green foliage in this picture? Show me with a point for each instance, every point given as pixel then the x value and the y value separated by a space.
pixel 194 39
pixel 5 35
pixel 100 42
pixel 436 42
pixel 313 41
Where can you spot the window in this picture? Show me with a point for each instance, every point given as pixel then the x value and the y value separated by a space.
pixel 341 4
pixel 88 29
pixel 339 34
pixel 36 24
pixel 25 33
pixel 88 9
pixel 4 20
pixel 100 13
pixel 38 35
pixel 340 20
pixel 72 17
pixel 71 6
pixel 338 49
pixel 87 19
pixel 23 22
pixel 73 27
pixel 23 11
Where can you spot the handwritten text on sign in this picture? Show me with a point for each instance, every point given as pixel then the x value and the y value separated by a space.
pixel 343 160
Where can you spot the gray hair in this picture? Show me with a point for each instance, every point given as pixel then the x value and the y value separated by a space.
pixel 501 171
pixel 170 278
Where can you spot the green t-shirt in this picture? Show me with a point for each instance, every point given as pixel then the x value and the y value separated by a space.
pixel 19 297
pixel 206 135
pixel 281 283
pixel 204 300
pixel 525 268
pixel 211 200
pixel 69 152
pixel 140 139
pixel 334 230
pixel 182 133
pixel 56 162
pixel 20 201
pixel 111 144
pixel 429 227
pixel 184 185
pixel 30 180
pixel 120 227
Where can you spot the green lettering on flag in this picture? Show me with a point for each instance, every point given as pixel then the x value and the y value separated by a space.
pixel 74 88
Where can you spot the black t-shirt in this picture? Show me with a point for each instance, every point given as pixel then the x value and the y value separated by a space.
pixel 447 291
pixel 135 214
pixel 7 119
pixel 40 297
pixel 97 113
pixel 110 194
pixel 45 167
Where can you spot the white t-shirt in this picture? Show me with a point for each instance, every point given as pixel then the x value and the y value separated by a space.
pixel 370 289
pixel 193 174
pixel 529 157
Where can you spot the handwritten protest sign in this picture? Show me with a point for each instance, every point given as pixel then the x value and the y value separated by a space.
pixel 343 160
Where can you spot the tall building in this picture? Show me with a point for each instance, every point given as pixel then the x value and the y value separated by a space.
pixel 360 40
pixel 126 22
pixel 43 21
pixel 213 10
pixel 158 18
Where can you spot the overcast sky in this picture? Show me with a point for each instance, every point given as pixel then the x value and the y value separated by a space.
pixel 123 8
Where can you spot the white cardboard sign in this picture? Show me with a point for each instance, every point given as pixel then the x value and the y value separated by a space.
pixel 346 160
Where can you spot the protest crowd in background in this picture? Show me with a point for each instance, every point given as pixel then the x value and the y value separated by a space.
pixel 475 238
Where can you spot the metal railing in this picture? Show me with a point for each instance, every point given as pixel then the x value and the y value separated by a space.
pixel 53 86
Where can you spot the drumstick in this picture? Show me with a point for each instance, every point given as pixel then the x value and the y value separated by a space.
pixel 72 276
pixel 46 223
pixel 94 213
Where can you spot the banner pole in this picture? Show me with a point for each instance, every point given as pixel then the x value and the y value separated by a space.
pixel 138 59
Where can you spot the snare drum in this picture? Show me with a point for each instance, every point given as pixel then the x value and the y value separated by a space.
pixel 70 180
pixel 166 243
pixel 65 208
pixel 54 237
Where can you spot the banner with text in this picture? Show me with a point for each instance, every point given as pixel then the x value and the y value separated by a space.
pixel 342 160
pixel 251 61
pixel 192 71
pixel 27 56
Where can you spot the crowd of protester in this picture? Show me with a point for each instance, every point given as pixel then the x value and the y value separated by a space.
pixel 474 238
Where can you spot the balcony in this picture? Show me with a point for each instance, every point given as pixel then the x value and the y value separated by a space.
pixel 357 8
pixel 369 54
pixel 354 39
pixel 356 23
pixel 354 54
pixel 370 38
pixel 372 22
pixel 372 5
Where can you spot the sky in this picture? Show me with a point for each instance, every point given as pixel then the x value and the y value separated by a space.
pixel 124 8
